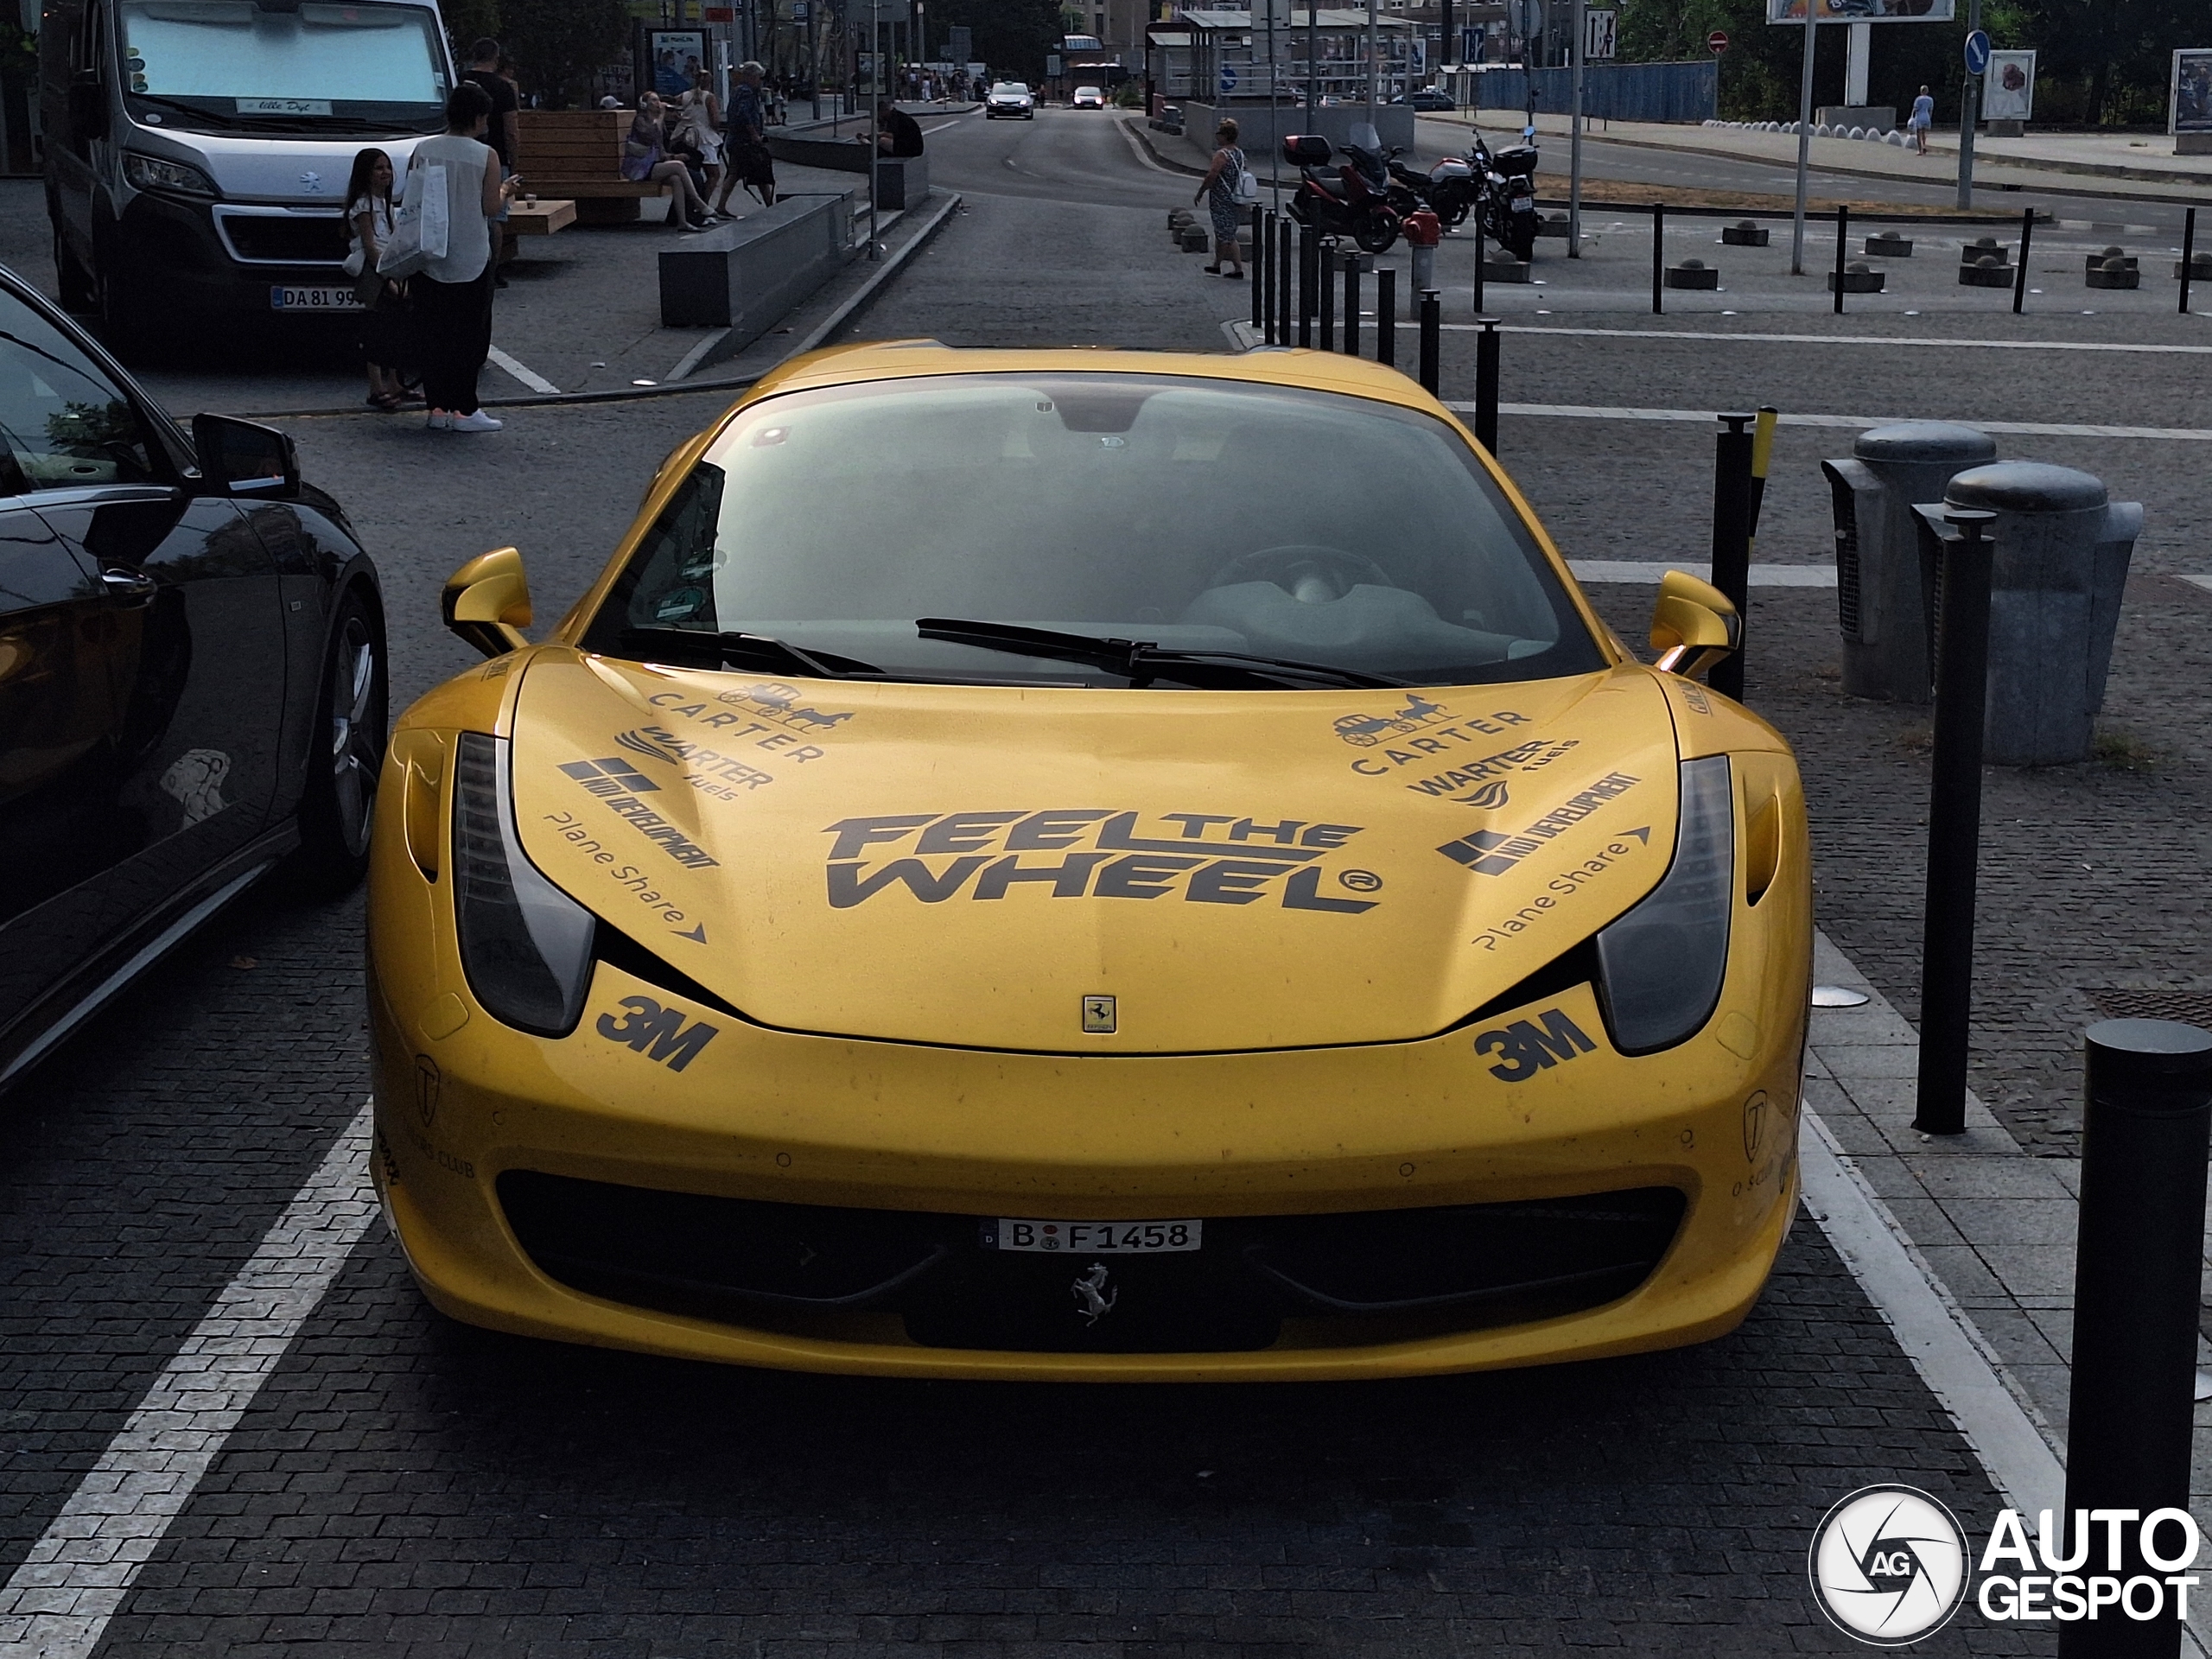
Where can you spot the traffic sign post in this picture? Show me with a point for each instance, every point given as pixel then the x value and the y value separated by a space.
pixel 1977 56
pixel 1599 35
pixel 1717 43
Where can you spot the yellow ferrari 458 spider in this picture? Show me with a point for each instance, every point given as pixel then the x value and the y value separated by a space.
pixel 1078 865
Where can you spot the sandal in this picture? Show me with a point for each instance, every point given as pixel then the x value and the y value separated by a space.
pixel 384 400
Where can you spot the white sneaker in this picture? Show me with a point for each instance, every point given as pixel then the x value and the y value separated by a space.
pixel 479 421
pixel 438 421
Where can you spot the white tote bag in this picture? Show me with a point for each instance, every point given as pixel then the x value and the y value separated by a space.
pixel 420 226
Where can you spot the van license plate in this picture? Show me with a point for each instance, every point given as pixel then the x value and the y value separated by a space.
pixel 283 298
pixel 1097 1237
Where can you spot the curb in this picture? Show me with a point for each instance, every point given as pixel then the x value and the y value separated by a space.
pixel 837 319
pixel 1137 130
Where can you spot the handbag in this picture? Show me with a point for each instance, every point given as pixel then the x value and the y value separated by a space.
pixel 420 228
pixel 640 160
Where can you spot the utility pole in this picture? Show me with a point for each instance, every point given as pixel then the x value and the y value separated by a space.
pixel 1574 143
pixel 1804 145
pixel 1969 110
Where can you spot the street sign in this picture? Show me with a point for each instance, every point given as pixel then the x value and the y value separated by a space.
pixel 1598 35
pixel 1977 51
pixel 1227 80
pixel 798 11
pixel 1716 43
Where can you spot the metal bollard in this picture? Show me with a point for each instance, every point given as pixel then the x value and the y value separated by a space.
pixel 1283 280
pixel 1954 824
pixel 1432 323
pixel 1842 246
pixel 1733 452
pixel 1309 267
pixel 2020 277
pixel 1259 270
pixel 1351 305
pixel 1328 340
pixel 2139 1246
pixel 1658 260
pixel 1486 385
pixel 2188 254
pixel 1479 305
pixel 1386 316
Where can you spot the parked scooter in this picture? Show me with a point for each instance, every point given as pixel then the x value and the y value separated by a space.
pixel 1354 203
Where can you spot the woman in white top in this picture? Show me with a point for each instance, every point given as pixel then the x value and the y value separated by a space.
pixel 369 209
pixel 453 293
pixel 702 127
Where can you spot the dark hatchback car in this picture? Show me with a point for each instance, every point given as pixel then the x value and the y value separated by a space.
pixel 1428 100
pixel 192 675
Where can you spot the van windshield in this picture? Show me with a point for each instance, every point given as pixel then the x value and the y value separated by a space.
pixel 317 65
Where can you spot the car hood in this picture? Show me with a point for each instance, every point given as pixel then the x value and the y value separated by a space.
pixel 967 864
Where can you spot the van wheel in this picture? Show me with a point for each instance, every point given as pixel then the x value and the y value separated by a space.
pixel 72 280
pixel 345 756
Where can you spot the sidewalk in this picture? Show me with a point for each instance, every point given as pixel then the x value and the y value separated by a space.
pixel 2082 163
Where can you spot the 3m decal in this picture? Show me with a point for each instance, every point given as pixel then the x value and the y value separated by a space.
pixel 1206 858
pixel 709 771
pixel 659 1033
pixel 1560 888
pixel 1487 853
pixel 1526 1047
pixel 618 784
pixel 1482 783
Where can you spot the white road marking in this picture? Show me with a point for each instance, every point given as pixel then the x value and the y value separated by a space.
pixel 1849 340
pixel 59 1601
pixel 2205 582
pixel 1705 417
pixel 1644 570
pixel 528 376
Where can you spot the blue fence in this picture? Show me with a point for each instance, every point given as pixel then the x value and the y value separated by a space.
pixel 1618 92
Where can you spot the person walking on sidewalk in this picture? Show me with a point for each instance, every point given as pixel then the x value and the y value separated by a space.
pixel 505 131
pixel 452 292
pixel 1218 192
pixel 1923 117
pixel 746 159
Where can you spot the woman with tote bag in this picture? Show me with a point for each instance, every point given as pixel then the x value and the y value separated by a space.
pixel 442 242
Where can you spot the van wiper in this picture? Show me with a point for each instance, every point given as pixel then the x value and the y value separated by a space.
pixel 178 103
pixel 1138 657
pixel 758 651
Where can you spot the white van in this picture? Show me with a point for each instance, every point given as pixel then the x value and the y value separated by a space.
pixel 197 151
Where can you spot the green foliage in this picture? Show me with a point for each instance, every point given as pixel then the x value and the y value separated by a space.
pixel 557 45
pixel 470 20
pixel 1013 36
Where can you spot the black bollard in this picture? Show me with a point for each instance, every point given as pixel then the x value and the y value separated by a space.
pixel 1732 538
pixel 1486 385
pixel 1842 246
pixel 1309 284
pixel 1477 218
pixel 1328 340
pixel 1386 316
pixel 2188 254
pixel 1261 240
pixel 2020 277
pixel 1282 281
pixel 2140 1245
pixel 1658 260
pixel 1351 305
pixel 1953 823
pixel 1432 324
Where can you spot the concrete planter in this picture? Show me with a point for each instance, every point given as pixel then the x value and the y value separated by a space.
pixel 1888 245
pixel 1992 272
pixel 1858 278
pixel 1746 235
pixel 1692 273
pixel 746 276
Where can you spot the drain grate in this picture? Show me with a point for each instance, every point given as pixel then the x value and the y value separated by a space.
pixel 2191 1007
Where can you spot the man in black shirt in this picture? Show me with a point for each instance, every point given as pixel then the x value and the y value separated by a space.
pixel 897 133
pixel 506 122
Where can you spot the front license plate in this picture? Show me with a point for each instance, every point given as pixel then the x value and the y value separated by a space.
pixel 1093 1237
pixel 281 298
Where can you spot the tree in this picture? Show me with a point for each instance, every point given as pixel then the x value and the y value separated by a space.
pixel 558 45
pixel 1013 36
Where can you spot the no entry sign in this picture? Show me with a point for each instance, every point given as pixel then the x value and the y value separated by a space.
pixel 1716 43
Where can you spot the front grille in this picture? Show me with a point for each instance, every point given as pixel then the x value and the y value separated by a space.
pixel 286 239
pixel 1374 1276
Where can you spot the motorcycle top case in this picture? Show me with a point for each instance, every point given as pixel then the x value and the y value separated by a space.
pixel 1305 149
pixel 1519 161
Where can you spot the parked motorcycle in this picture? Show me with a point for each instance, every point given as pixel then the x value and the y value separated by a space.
pixel 1354 203
pixel 1508 204
pixel 1450 190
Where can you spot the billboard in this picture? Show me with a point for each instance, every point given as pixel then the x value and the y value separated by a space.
pixel 2008 88
pixel 675 56
pixel 1863 11
pixel 2190 109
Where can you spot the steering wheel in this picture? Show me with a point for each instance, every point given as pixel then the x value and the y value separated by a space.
pixel 1313 573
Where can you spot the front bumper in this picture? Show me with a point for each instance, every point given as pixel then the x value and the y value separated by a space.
pixel 170 256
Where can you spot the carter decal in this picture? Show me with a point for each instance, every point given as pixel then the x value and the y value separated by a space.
pixel 1487 853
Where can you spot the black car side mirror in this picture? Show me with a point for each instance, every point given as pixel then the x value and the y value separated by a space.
pixel 240 457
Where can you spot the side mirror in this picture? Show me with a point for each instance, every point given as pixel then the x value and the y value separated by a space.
pixel 87 106
pixel 1693 626
pixel 239 457
pixel 486 601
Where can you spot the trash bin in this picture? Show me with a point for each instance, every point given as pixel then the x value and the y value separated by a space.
pixel 1880 610
pixel 2060 564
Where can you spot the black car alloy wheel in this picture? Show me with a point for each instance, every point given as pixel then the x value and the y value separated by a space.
pixel 347 751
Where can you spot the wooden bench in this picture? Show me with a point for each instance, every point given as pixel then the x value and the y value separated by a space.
pixel 577 155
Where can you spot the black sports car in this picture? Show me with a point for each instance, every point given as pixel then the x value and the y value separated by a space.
pixel 192 675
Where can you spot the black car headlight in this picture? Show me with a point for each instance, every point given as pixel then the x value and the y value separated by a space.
pixel 173 178
pixel 1661 965
pixel 526 945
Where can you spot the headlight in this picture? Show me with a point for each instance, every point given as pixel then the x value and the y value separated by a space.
pixel 525 943
pixel 1660 966
pixel 148 173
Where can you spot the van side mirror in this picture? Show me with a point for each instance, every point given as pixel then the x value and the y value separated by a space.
pixel 239 457
pixel 87 106
pixel 1693 626
pixel 486 601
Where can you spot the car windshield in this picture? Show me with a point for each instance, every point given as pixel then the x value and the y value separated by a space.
pixel 1200 515
pixel 1010 89
pixel 235 63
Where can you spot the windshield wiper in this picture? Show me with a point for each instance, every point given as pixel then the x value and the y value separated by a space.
pixel 1138 657
pixel 216 116
pixel 759 651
